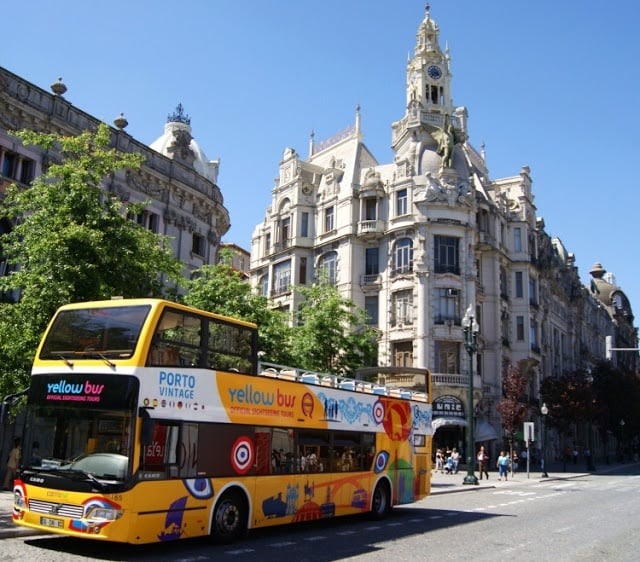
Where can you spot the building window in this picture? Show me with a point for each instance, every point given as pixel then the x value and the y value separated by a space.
pixel 370 209
pixel 447 254
pixel 329 219
pixel 264 286
pixel 328 267
pixel 302 271
pixel 447 357
pixel 267 243
pixel 517 239
pixel 520 328
pixel 402 354
pixel 281 277
pixel 304 225
pixel 402 308
pixel 9 162
pixel 371 308
pixel 519 285
pixel 198 245
pixel 503 283
pixel 27 171
pixel 447 306
pixel 372 261
pixel 285 232
pixel 533 292
pixel 401 202
pixel 403 256
pixel 533 335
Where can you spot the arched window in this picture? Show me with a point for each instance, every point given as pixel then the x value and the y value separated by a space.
pixel 403 256
pixel 328 267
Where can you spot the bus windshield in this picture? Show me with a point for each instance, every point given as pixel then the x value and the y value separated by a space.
pixel 81 423
pixel 105 332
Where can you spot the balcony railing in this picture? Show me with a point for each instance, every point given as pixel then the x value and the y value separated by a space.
pixel 455 379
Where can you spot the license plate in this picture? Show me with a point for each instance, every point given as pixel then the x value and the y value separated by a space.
pixel 51 522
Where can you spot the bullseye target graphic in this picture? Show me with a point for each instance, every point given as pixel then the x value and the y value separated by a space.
pixel 378 412
pixel 382 458
pixel 242 455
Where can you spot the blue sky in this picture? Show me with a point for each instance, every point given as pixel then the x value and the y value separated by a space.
pixel 548 84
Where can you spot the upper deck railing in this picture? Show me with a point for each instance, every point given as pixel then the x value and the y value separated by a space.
pixel 331 380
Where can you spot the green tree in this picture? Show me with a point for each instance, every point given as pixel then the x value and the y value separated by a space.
pixel 72 241
pixel 333 335
pixel 221 289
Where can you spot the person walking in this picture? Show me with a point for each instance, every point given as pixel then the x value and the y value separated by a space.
pixel 455 457
pixel 503 465
pixel 12 464
pixel 483 462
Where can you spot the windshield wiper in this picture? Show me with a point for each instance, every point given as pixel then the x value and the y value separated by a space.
pixel 67 362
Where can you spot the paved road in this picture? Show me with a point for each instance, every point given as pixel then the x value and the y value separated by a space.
pixel 440 484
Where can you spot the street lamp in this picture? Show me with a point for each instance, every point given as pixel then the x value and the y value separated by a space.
pixel 544 411
pixel 470 329
pixel 590 466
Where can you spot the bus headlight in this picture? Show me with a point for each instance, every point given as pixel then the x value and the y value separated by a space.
pixel 18 500
pixel 103 514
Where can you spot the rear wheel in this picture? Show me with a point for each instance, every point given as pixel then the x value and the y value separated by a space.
pixel 229 519
pixel 381 501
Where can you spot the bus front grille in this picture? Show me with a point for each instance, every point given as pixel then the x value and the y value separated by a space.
pixel 53 508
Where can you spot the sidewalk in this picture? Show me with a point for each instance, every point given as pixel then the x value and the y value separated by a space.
pixel 8 529
pixel 450 483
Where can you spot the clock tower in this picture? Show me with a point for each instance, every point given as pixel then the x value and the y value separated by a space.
pixel 431 123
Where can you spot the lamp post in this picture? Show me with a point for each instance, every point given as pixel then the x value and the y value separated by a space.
pixel 621 447
pixel 544 411
pixel 590 466
pixel 470 330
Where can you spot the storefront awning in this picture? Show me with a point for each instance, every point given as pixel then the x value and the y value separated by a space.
pixel 442 422
pixel 485 431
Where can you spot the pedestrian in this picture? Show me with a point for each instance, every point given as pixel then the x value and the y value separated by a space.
pixel 503 465
pixel 455 457
pixel 514 462
pixel 483 462
pixel 12 464
pixel 439 461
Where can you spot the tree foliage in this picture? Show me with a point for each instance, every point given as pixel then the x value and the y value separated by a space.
pixel 511 407
pixel 221 289
pixel 332 335
pixel 72 241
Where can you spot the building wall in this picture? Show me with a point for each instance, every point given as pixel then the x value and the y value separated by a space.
pixel 522 284
pixel 182 203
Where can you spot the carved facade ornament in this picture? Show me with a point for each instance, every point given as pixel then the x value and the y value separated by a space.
pixel 437 191
pixel 145 184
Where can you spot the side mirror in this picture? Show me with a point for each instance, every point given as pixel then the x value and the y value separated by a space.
pixel 146 437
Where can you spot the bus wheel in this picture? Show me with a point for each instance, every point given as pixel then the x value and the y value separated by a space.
pixel 229 518
pixel 381 501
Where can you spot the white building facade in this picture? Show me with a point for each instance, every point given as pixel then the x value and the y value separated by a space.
pixel 418 240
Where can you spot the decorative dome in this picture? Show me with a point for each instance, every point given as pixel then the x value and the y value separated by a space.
pixel 177 143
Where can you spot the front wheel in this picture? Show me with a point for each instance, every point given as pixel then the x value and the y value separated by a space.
pixel 381 502
pixel 229 519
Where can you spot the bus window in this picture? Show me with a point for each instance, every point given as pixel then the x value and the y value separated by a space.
pixel 177 341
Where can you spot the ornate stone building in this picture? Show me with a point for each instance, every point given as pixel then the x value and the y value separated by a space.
pixel 417 241
pixel 177 181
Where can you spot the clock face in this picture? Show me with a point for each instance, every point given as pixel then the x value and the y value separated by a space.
pixel 434 72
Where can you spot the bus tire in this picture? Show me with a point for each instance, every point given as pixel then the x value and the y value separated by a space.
pixel 229 518
pixel 381 501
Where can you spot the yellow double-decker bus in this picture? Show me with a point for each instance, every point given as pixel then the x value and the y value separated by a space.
pixel 151 421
